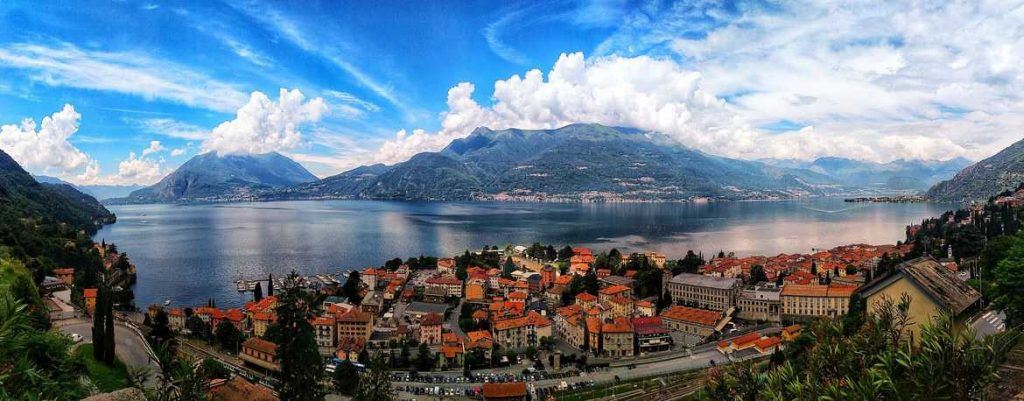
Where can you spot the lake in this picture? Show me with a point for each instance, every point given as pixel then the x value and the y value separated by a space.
pixel 190 253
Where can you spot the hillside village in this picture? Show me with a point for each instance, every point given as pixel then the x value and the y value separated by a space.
pixel 466 315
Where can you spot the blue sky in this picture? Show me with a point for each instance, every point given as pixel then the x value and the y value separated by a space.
pixel 151 84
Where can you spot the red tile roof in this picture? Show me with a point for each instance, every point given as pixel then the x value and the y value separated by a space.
pixel 261 345
pixel 432 319
pixel 691 315
pixel 89 293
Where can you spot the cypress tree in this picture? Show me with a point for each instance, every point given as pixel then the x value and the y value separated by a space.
pixel 301 364
pixel 257 293
pixel 108 329
pixel 98 328
pixel 270 286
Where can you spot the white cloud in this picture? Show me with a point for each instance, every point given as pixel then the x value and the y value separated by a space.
pixel 46 150
pixel 130 73
pixel 874 73
pixel 640 92
pixel 177 152
pixel 872 80
pixel 138 170
pixel 154 147
pixel 262 125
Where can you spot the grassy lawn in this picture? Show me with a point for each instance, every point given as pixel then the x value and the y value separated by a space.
pixel 106 378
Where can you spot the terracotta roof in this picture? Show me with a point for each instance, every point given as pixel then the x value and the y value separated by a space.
pixel 513 323
pixel 64 271
pixel 354 315
pixel 451 351
pixel 261 345
pixel 445 279
pixel 800 290
pixel 790 330
pixel 504 390
pixel 238 389
pixel 585 297
pixel 234 315
pixel 432 319
pixel 747 339
pixel 480 314
pixel 323 321
pixel 691 315
pixel 766 343
pixel 89 293
pixel 648 325
pixel 618 326
pixel 478 335
pixel 614 289
pixel 593 325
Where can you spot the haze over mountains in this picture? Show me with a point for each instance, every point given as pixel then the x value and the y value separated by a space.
pixel 897 175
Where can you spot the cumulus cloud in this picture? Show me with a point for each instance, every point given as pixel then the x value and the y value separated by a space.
pixel 46 150
pixel 872 80
pixel 643 92
pixel 177 152
pixel 138 170
pixel 263 125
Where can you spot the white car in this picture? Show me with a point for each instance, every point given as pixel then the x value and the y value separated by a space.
pixel 76 337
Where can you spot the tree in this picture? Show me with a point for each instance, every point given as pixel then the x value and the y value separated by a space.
pixel 1009 280
pixel 404 355
pixel 270 286
pixel 228 336
pixel 346 378
pixel 565 253
pixel 103 326
pixel 257 293
pixel 301 364
pixel 364 357
pixel 351 287
pixel 757 274
pixel 424 360
pixel 376 385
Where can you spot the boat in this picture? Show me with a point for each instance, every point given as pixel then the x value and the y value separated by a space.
pixel 167 302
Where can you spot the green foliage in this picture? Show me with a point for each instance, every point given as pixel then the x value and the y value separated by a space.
pixel 35 363
pixel 228 336
pixel 106 377
pixel 350 289
pixel 376 384
pixel 424 358
pixel 1009 283
pixel 876 361
pixel 346 378
pixel 301 364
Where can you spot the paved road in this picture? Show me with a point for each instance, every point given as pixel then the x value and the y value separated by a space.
pixel 988 323
pixel 129 347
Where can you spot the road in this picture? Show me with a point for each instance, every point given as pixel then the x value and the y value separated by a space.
pixel 128 345
pixel 988 323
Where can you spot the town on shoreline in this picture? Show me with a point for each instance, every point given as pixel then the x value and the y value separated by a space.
pixel 536 321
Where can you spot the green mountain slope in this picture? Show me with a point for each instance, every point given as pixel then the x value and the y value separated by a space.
pixel 1002 171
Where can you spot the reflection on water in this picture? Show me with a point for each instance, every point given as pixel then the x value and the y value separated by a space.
pixel 192 253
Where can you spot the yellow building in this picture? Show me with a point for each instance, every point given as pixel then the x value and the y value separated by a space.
pixel 932 289
pixel 813 300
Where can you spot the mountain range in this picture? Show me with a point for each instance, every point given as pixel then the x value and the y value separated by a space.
pixel 100 192
pixel 213 177
pixel 1002 171
pixel 897 175
pixel 576 162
